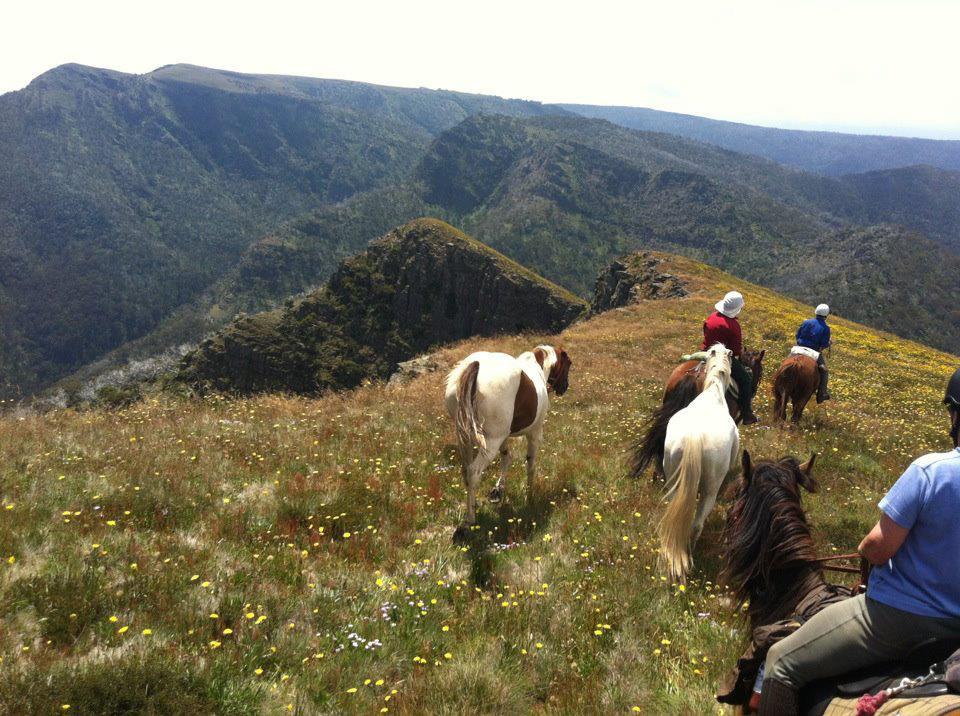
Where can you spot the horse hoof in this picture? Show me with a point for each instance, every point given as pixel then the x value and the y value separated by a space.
pixel 460 534
pixel 496 494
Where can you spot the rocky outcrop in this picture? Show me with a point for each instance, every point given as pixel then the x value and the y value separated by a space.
pixel 415 367
pixel 423 284
pixel 634 278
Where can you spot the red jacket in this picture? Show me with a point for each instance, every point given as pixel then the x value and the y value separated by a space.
pixel 720 329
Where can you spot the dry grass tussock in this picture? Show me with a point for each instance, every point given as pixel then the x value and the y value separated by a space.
pixel 281 554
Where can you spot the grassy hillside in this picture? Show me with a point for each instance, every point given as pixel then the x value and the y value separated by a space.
pixel 281 554
pixel 832 153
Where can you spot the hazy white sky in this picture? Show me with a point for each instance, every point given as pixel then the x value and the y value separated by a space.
pixel 852 65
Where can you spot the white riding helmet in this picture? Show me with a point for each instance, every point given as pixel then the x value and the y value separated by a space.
pixel 823 310
pixel 731 305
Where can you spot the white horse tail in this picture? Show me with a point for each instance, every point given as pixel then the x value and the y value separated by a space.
pixel 677 524
pixel 468 431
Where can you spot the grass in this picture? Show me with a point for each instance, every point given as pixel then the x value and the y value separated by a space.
pixel 279 554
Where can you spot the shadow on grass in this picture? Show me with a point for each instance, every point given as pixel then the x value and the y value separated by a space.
pixel 501 526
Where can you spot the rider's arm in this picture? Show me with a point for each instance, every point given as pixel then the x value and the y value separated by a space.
pixel 900 508
pixel 884 540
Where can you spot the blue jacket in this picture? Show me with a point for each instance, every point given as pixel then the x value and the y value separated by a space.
pixel 814 333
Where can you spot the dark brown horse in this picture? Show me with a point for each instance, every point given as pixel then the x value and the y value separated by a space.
pixel 770 558
pixel 770 563
pixel 684 384
pixel 797 381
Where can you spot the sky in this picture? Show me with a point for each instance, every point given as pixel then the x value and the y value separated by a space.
pixel 869 66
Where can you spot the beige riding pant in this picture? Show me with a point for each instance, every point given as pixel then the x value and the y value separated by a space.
pixel 849 635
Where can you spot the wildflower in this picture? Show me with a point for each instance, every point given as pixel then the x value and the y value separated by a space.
pixel 214 644
pixel 122 630
pixel 147 632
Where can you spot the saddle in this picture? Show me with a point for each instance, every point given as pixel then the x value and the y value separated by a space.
pixel 804 351
pixel 928 676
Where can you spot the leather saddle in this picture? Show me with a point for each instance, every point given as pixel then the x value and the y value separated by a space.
pixel 817 696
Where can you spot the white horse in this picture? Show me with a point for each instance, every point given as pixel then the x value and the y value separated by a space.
pixel 494 396
pixel 700 452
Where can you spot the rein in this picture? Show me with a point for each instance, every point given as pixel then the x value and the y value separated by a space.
pixel 863 570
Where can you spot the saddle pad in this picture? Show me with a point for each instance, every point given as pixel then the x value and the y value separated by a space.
pixel 929 706
pixel 802 351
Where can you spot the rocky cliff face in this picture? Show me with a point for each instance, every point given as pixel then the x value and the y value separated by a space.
pixel 422 284
pixel 633 278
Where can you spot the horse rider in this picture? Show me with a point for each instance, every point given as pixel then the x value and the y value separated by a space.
pixel 814 333
pixel 914 593
pixel 723 327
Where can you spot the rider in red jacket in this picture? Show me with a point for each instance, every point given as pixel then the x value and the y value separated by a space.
pixel 723 327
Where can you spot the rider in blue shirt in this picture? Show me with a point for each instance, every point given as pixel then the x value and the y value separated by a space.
pixel 814 333
pixel 914 592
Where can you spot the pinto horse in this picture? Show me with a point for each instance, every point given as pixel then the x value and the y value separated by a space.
pixel 492 397
pixel 797 379
pixel 700 448
pixel 685 384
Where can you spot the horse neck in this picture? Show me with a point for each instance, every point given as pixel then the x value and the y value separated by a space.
pixel 787 588
pixel 714 382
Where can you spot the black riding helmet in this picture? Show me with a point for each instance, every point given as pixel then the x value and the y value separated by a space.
pixel 952 398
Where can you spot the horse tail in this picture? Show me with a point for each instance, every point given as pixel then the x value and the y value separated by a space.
pixel 649 448
pixel 468 431
pixel 677 524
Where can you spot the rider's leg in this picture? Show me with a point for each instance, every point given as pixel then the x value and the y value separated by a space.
pixel 744 381
pixel 843 637
pixel 822 392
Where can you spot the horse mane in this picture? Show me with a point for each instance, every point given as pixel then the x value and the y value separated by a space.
pixel 717 364
pixel 767 536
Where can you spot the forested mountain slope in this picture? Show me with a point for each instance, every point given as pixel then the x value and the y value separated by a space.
pixel 125 196
pixel 564 196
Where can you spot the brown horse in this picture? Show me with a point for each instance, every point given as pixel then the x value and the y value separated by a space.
pixel 770 562
pixel 797 380
pixel 684 384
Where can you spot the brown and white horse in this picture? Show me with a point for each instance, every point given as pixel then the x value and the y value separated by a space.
pixel 494 396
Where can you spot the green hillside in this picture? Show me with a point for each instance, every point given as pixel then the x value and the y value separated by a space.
pixel 286 554
pixel 422 284
pixel 132 194
pixel 566 195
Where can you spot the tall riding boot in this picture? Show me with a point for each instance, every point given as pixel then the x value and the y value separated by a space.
pixel 779 699
pixel 822 393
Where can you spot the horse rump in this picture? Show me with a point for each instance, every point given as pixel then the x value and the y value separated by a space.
pixel 648 449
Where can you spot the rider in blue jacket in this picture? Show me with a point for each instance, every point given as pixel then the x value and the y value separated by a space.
pixel 814 333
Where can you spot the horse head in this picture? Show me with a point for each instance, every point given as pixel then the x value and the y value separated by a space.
pixel 556 366
pixel 767 534
pixel 559 374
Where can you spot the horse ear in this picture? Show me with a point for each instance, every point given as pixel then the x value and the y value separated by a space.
pixel 540 355
pixel 747 465
pixel 806 474
pixel 762 354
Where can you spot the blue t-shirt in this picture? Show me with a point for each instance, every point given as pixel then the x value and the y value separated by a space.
pixel 923 577
pixel 814 333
